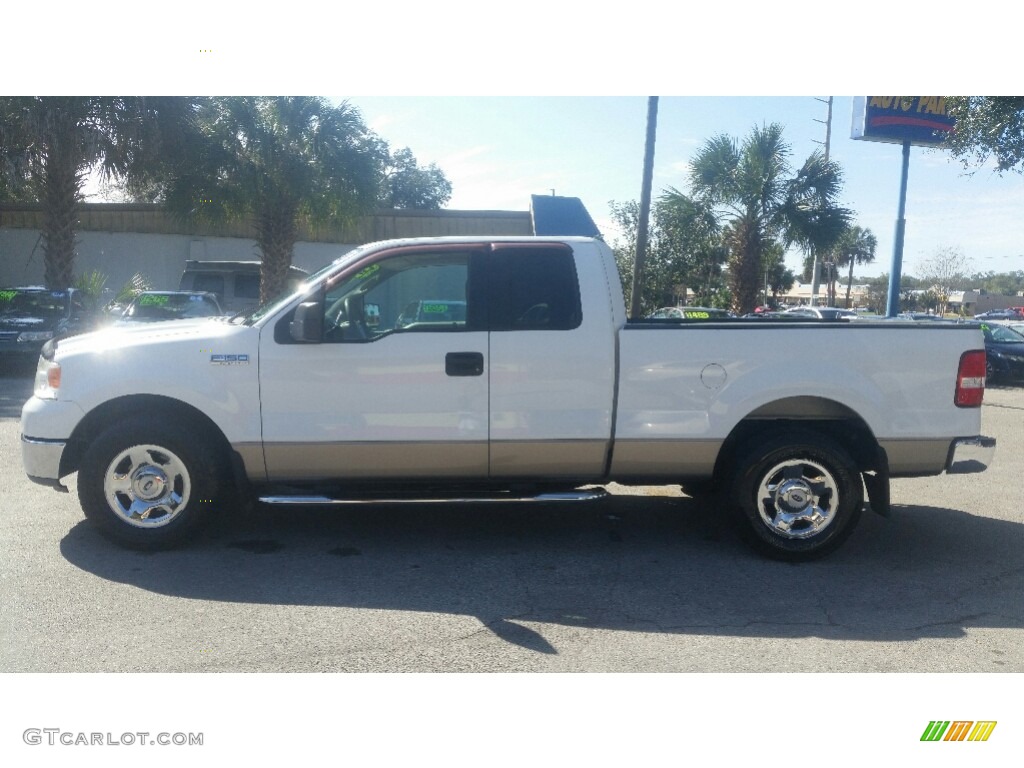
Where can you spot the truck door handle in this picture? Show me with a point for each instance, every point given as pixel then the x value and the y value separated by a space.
pixel 464 363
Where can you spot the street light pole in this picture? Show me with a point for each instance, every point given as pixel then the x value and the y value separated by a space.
pixel 815 281
pixel 645 207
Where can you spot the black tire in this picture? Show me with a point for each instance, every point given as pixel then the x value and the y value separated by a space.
pixel 148 482
pixel 991 374
pixel 799 495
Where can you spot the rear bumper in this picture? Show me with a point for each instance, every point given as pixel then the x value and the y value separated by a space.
pixel 970 454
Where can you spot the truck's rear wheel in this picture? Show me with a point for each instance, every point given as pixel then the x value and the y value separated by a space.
pixel 148 484
pixel 799 495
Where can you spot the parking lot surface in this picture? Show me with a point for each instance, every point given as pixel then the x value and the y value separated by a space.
pixel 646 580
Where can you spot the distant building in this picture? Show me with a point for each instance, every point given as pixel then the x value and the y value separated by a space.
pixel 977 301
pixel 800 293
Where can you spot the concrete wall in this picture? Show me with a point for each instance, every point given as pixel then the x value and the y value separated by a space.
pixel 122 240
pixel 159 258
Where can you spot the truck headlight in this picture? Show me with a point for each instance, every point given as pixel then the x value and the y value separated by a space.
pixel 35 336
pixel 47 379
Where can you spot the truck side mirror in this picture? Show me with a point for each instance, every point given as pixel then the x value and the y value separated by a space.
pixel 307 327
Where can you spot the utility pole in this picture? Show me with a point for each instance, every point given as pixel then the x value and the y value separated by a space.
pixel 815 278
pixel 645 207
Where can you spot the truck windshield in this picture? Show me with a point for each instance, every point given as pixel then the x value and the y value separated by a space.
pixel 306 286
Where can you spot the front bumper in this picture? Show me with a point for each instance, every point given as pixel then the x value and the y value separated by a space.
pixel 41 460
pixel 970 454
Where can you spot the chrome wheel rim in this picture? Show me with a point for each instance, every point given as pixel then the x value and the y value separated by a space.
pixel 147 486
pixel 797 499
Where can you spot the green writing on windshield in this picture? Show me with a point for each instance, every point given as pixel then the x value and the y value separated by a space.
pixel 7 295
pixel 370 270
pixel 153 300
pixel 431 309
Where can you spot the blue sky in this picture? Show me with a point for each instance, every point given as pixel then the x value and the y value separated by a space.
pixel 542 95
pixel 497 151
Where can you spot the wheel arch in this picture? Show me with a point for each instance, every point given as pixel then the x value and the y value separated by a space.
pixel 828 417
pixel 102 416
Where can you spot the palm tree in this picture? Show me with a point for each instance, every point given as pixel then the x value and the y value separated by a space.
pixel 754 188
pixel 690 241
pixel 277 161
pixel 815 222
pixel 49 145
pixel 856 246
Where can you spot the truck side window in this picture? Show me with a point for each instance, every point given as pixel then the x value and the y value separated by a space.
pixel 415 292
pixel 534 290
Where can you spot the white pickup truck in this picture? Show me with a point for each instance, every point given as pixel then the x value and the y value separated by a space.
pixel 499 368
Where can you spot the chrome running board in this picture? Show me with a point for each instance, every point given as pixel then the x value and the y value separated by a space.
pixel 314 500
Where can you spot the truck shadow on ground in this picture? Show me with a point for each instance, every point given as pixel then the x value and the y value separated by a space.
pixel 649 564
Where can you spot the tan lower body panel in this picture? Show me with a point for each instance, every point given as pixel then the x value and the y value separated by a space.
pixel 669 460
pixel 548 459
pixel 377 460
pixel 665 459
pixel 916 457
pixel 464 460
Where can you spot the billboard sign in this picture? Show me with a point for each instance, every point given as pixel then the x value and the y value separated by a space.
pixel 921 120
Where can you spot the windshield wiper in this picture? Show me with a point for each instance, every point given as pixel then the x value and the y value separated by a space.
pixel 231 318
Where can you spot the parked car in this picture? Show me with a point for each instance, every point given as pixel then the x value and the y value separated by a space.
pixel 427 312
pixel 690 313
pixel 1004 353
pixel 154 306
pixel 31 316
pixel 235 283
pixel 769 313
pixel 1013 313
pixel 823 313
pixel 919 316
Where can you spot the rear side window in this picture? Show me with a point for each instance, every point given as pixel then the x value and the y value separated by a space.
pixel 210 283
pixel 533 289
pixel 247 286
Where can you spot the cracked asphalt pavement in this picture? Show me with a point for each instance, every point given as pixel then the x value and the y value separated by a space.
pixel 647 580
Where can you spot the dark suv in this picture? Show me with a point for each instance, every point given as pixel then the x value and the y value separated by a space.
pixel 236 284
pixel 29 317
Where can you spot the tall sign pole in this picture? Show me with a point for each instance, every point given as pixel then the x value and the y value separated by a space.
pixel 645 207
pixel 892 305
pixel 908 120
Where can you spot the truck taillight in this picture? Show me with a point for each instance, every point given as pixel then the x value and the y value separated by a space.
pixel 970 379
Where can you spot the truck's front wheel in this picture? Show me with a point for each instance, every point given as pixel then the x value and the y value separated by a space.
pixel 799 494
pixel 148 485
